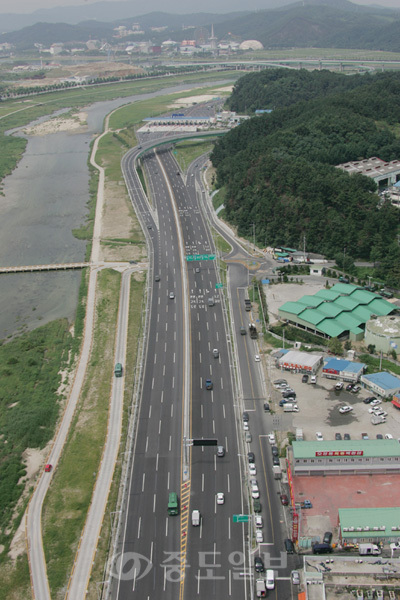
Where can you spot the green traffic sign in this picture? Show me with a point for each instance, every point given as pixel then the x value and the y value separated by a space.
pixel 200 257
pixel 218 286
pixel 241 518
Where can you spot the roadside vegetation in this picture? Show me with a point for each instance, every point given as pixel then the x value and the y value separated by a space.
pixel 186 152
pixel 67 502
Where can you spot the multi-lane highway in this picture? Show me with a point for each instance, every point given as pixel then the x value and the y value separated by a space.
pixel 158 553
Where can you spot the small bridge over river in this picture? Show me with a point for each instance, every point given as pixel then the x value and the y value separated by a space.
pixel 53 267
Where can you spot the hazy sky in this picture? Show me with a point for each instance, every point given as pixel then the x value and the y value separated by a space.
pixel 28 6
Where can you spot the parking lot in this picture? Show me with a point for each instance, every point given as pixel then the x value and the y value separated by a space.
pixel 319 409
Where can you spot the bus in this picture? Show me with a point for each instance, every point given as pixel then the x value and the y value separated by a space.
pixel 173 504
pixel 118 370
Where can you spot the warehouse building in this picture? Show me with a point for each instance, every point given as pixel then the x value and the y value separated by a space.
pixel 382 172
pixel 381 384
pixel 299 362
pixel 369 525
pixel 346 457
pixel 346 370
pixel 340 312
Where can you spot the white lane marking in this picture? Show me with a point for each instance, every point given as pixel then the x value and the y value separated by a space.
pixel 154 503
pixel 202 482
pixel 152 384
pixel 151 552
pixel 155 358
pixel 147 443
pixel 222 384
pixel 207 326
pixel 157 336
pixel 143 480
pixel 166 326
pixel 217 336
pixel 229 528
pixel 174 356
pixel 223 411
pixel 165 346
pixel 159 427
pixel 168 477
pixel 162 391
pixel 200 357
pixel 150 412
pixel 166 535
pixel 173 382
pixel 172 411
pixel 201 411
pixel 170 443
pixel 164 371
pixel 213 427
pixel 229 483
pixel 157 457
pixel 199 336
pixel 139 525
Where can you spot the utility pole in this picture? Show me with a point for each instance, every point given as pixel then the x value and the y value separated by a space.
pixel 344 257
pixel 254 237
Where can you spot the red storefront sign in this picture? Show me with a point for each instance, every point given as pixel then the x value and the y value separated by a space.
pixel 341 453
pixel 295 527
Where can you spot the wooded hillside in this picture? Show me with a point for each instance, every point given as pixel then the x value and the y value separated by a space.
pixel 278 170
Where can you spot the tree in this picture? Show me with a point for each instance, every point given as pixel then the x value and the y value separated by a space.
pixel 335 346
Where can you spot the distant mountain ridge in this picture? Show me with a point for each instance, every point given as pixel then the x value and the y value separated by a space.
pixel 312 23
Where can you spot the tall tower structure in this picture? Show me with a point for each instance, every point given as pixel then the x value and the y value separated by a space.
pixel 213 40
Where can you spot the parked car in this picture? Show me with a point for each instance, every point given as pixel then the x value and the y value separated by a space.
pixel 339 385
pixel 295 578
pixel 245 426
pixel 275 451
pixel 388 436
pixel 171 295
pixel 319 436
pixel 275 461
pixel 250 457
pixel 256 505
pixel 349 387
pixel 266 407
pixel 338 436
pixel 257 357
pixel 376 402
pixel 289 394
pixel 304 379
pixel 369 399
pixel 364 436
pixel 346 436
pixel 379 436
pixel 246 416
pixel 284 500
pixel 356 389
pixel 345 409
pixel 327 537
pixel 313 379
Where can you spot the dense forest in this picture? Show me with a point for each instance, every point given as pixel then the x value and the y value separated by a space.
pixel 278 170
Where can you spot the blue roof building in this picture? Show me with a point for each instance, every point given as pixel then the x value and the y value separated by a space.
pixel 383 384
pixel 340 368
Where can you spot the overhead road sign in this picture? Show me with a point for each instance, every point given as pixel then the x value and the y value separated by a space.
pixel 191 257
pixel 241 518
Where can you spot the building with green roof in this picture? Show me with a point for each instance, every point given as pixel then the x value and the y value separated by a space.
pixel 345 457
pixel 363 525
pixel 342 311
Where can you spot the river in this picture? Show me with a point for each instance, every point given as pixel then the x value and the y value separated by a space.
pixel 44 199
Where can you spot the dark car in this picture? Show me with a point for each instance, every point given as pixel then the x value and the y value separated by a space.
pixel 288 394
pixel 259 564
pixel 369 399
pixel 209 384
pixel 322 548
pixel 349 387
pixel 346 436
pixel 284 500
pixel 275 451
pixel 327 537
pixel 304 379
pixel 251 458
pixel 289 547
pixel 338 436
pixel 266 407
pixel 275 461
pixel 245 416
pixel 379 436
pixel 257 505
pixel 157 278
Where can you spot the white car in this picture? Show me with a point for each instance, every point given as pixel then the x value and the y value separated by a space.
pixel 271 439
pixel 381 413
pixel 220 498
pixel 319 436
pixel 258 521
pixel 252 470
pixel 376 402
pixel 313 379
pixel 255 492
pixel 259 537
pixel 338 386
pixel 257 358
pixel 345 409
pixel 245 426
pixel 171 295
pixel 388 436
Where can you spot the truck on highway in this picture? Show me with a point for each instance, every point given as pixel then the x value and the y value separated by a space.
pixel 288 407
pixel 368 550
pixel 253 331
pixel 196 518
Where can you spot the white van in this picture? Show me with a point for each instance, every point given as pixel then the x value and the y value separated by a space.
pixel 261 592
pixel 196 518
pixel 270 579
